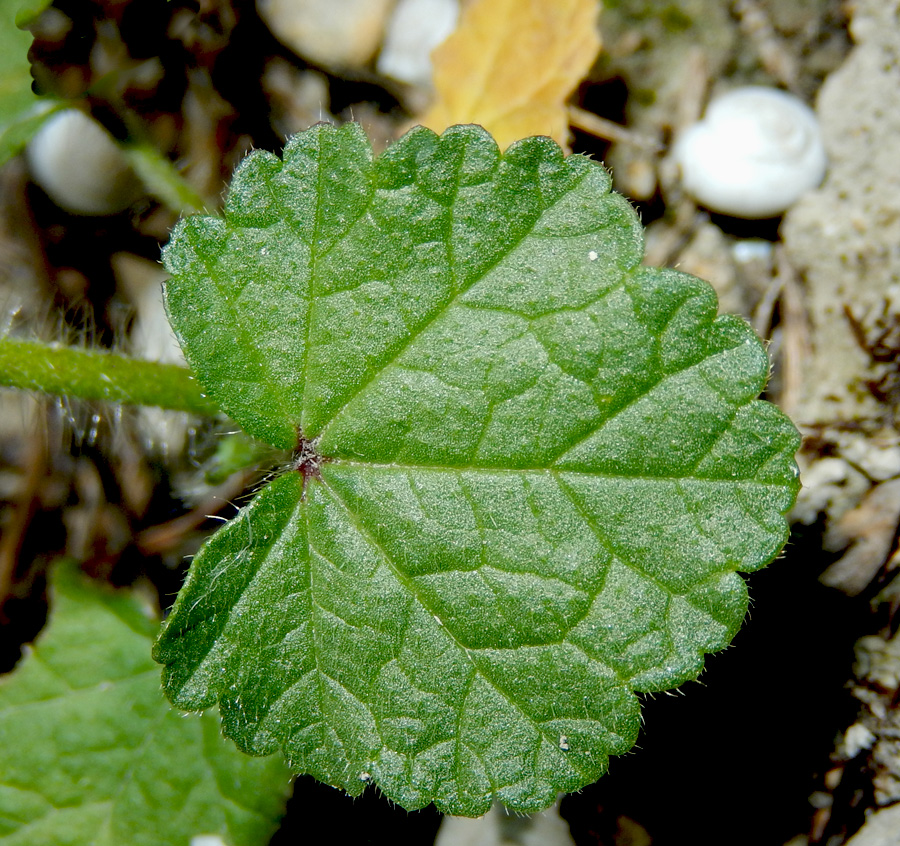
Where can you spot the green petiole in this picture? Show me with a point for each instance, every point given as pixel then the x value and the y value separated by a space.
pixel 100 375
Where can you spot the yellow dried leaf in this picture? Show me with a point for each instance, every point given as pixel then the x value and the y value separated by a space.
pixel 511 64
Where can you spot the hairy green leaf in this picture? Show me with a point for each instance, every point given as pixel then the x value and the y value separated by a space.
pixel 94 756
pixel 527 470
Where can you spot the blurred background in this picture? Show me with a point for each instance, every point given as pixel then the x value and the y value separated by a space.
pixel 116 117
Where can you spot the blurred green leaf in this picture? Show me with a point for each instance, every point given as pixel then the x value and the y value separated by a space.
pixel 21 112
pixel 93 755
pixel 28 10
pixel 162 179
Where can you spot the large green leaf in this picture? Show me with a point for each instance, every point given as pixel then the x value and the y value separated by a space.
pixel 92 754
pixel 527 469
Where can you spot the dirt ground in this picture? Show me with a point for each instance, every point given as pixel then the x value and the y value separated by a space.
pixel 793 735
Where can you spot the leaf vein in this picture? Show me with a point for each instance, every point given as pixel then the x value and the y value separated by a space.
pixel 442 308
pixel 664 377
pixel 404 580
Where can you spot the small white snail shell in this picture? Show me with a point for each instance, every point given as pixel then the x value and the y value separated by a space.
pixel 80 166
pixel 754 154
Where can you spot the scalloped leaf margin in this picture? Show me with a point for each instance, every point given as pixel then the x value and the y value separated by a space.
pixel 527 470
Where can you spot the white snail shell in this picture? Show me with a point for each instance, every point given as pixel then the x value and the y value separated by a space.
pixel 754 154
pixel 80 166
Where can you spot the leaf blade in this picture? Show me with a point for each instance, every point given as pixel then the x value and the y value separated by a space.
pixel 539 469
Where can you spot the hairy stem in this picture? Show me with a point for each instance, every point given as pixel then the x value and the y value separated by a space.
pixel 99 375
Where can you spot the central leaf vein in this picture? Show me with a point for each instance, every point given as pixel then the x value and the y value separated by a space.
pixel 310 300
pixel 553 471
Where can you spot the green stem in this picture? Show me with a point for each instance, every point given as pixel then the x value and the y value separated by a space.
pixel 100 375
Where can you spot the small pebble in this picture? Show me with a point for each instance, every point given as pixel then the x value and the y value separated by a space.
pixel 330 33
pixel 414 30
pixel 80 166
pixel 754 154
